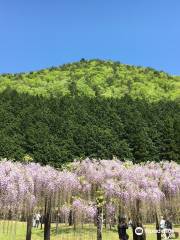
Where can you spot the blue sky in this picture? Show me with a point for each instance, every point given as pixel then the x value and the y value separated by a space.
pixel 36 34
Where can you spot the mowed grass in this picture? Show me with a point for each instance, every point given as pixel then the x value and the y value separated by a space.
pixel 17 231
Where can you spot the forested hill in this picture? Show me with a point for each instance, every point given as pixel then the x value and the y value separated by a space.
pixel 95 78
pixel 96 109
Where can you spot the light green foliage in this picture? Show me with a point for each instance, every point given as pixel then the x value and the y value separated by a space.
pixel 96 78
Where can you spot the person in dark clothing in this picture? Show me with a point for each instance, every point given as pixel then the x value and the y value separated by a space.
pixel 42 221
pixel 168 228
pixel 122 227
pixel 168 224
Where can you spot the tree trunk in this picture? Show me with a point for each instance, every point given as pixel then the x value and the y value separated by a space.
pixel 23 217
pixel 74 220
pixel 158 228
pixel 70 218
pixel 99 222
pixel 105 219
pixel 57 222
pixel 57 225
pixel 47 220
pixel 138 223
pixel 29 227
pixel 10 215
pixel 42 221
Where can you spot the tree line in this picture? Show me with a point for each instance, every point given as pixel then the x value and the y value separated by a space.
pixel 58 130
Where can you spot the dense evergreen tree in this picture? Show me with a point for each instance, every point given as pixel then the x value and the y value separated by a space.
pixel 57 130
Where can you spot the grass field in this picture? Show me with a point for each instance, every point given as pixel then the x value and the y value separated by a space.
pixel 16 231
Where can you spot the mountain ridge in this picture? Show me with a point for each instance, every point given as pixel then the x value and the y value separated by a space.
pixel 94 78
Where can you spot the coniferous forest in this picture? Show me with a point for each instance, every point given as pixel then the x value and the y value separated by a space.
pixel 96 109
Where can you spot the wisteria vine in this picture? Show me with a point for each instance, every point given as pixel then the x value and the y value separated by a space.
pixel 85 186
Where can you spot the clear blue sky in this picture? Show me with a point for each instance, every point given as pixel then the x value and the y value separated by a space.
pixel 36 34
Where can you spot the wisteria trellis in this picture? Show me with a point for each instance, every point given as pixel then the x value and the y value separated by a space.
pixel 89 185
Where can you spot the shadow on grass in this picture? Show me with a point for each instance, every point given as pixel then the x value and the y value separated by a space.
pixel 67 230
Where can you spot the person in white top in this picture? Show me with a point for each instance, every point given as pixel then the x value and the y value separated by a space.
pixel 34 221
pixel 162 223
pixel 37 217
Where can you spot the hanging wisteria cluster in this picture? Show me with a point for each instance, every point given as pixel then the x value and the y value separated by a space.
pixel 87 185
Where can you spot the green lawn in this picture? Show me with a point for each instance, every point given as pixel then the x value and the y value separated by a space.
pixel 16 231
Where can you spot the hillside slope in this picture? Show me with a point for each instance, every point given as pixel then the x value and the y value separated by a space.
pixel 95 78
pixel 93 109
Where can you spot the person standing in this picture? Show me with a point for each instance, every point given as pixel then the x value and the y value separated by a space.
pixel 37 217
pixel 129 222
pixel 168 228
pixel 162 223
pixel 42 221
pixel 34 221
pixel 122 227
